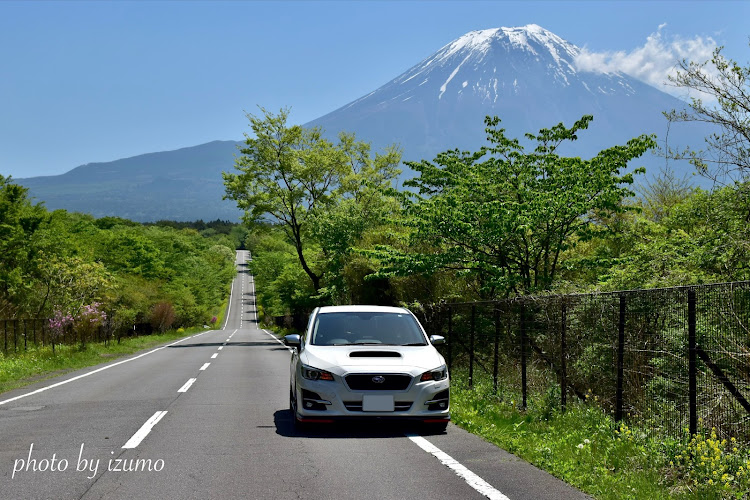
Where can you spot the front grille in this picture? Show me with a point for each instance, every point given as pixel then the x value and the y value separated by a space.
pixel 392 382
pixel 397 406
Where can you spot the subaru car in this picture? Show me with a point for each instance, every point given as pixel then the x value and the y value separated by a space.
pixel 367 361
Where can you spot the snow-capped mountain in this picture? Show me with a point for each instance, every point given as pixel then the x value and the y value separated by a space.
pixel 526 75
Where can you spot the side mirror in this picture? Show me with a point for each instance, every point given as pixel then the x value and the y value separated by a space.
pixel 437 339
pixel 292 340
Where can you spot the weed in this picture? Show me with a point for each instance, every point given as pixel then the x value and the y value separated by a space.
pixel 585 447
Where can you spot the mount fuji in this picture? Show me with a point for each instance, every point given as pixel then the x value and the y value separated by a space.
pixel 527 76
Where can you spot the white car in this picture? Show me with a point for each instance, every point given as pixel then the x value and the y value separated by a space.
pixel 367 361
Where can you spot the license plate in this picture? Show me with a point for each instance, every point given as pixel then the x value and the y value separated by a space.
pixel 377 402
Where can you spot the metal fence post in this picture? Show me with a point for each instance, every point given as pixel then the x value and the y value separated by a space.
pixel 692 365
pixel 497 347
pixel 523 356
pixel 471 346
pixel 563 355
pixel 449 340
pixel 620 360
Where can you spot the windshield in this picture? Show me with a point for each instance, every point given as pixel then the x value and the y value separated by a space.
pixel 364 328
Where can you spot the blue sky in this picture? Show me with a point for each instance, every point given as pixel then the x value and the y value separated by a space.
pixel 92 81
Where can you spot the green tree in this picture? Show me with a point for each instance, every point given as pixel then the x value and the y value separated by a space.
pixel 701 238
pixel 504 215
pixel 292 175
pixel 726 87
pixel 20 221
pixel 282 286
pixel 69 283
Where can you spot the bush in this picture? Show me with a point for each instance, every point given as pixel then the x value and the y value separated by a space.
pixel 162 316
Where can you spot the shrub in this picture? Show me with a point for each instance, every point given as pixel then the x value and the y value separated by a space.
pixel 162 316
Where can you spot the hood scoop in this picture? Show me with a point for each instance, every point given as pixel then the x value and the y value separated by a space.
pixel 374 354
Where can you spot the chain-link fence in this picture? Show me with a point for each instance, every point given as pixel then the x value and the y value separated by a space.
pixel 663 357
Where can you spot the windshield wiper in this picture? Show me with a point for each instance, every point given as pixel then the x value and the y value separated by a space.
pixel 416 344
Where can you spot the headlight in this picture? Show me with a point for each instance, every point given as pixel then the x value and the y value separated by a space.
pixel 437 374
pixel 311 373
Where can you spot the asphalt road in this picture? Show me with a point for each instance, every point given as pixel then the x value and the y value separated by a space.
pixel 207 417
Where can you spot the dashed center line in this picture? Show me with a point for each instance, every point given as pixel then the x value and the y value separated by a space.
pixel 221 347
pixel 144 430
pixel 205 365
pixel 187 385
pixel 213 356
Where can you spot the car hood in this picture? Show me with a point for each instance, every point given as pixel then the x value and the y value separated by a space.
pixel 350 359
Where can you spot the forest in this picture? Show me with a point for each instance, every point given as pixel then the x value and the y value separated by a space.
pixel 75 269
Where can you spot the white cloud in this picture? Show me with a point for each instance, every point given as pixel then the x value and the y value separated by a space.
pixel 653 61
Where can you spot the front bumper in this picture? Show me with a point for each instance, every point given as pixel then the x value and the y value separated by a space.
pixel 335 400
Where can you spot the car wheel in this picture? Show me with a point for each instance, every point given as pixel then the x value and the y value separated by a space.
pixel 293 408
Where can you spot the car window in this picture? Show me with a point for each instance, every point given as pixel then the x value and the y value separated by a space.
pixel 343 328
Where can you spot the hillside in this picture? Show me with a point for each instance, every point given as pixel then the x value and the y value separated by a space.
pixel 179 185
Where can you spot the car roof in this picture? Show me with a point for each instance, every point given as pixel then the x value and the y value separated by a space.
pixel 362 308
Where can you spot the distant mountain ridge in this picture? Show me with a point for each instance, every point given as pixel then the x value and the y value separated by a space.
pixel 525 75
pixel 181 185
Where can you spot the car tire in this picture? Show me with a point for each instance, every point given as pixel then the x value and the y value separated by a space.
pixel 293 408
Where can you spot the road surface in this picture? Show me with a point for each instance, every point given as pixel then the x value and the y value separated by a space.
pixel 207 417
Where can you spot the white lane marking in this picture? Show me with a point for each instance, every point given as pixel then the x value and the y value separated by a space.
pixel 229 307
pixel 221 347
pixel 213 356
pixel 144 430
pixel 290 349
pixel 205 365
pixel 91 372
pixel 187 385
pixel 471 479
pixel 255 307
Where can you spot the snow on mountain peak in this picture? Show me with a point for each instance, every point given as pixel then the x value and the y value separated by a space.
pixel 494 64
pixel 475 47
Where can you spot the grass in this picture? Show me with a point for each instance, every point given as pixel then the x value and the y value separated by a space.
pixel 587 449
